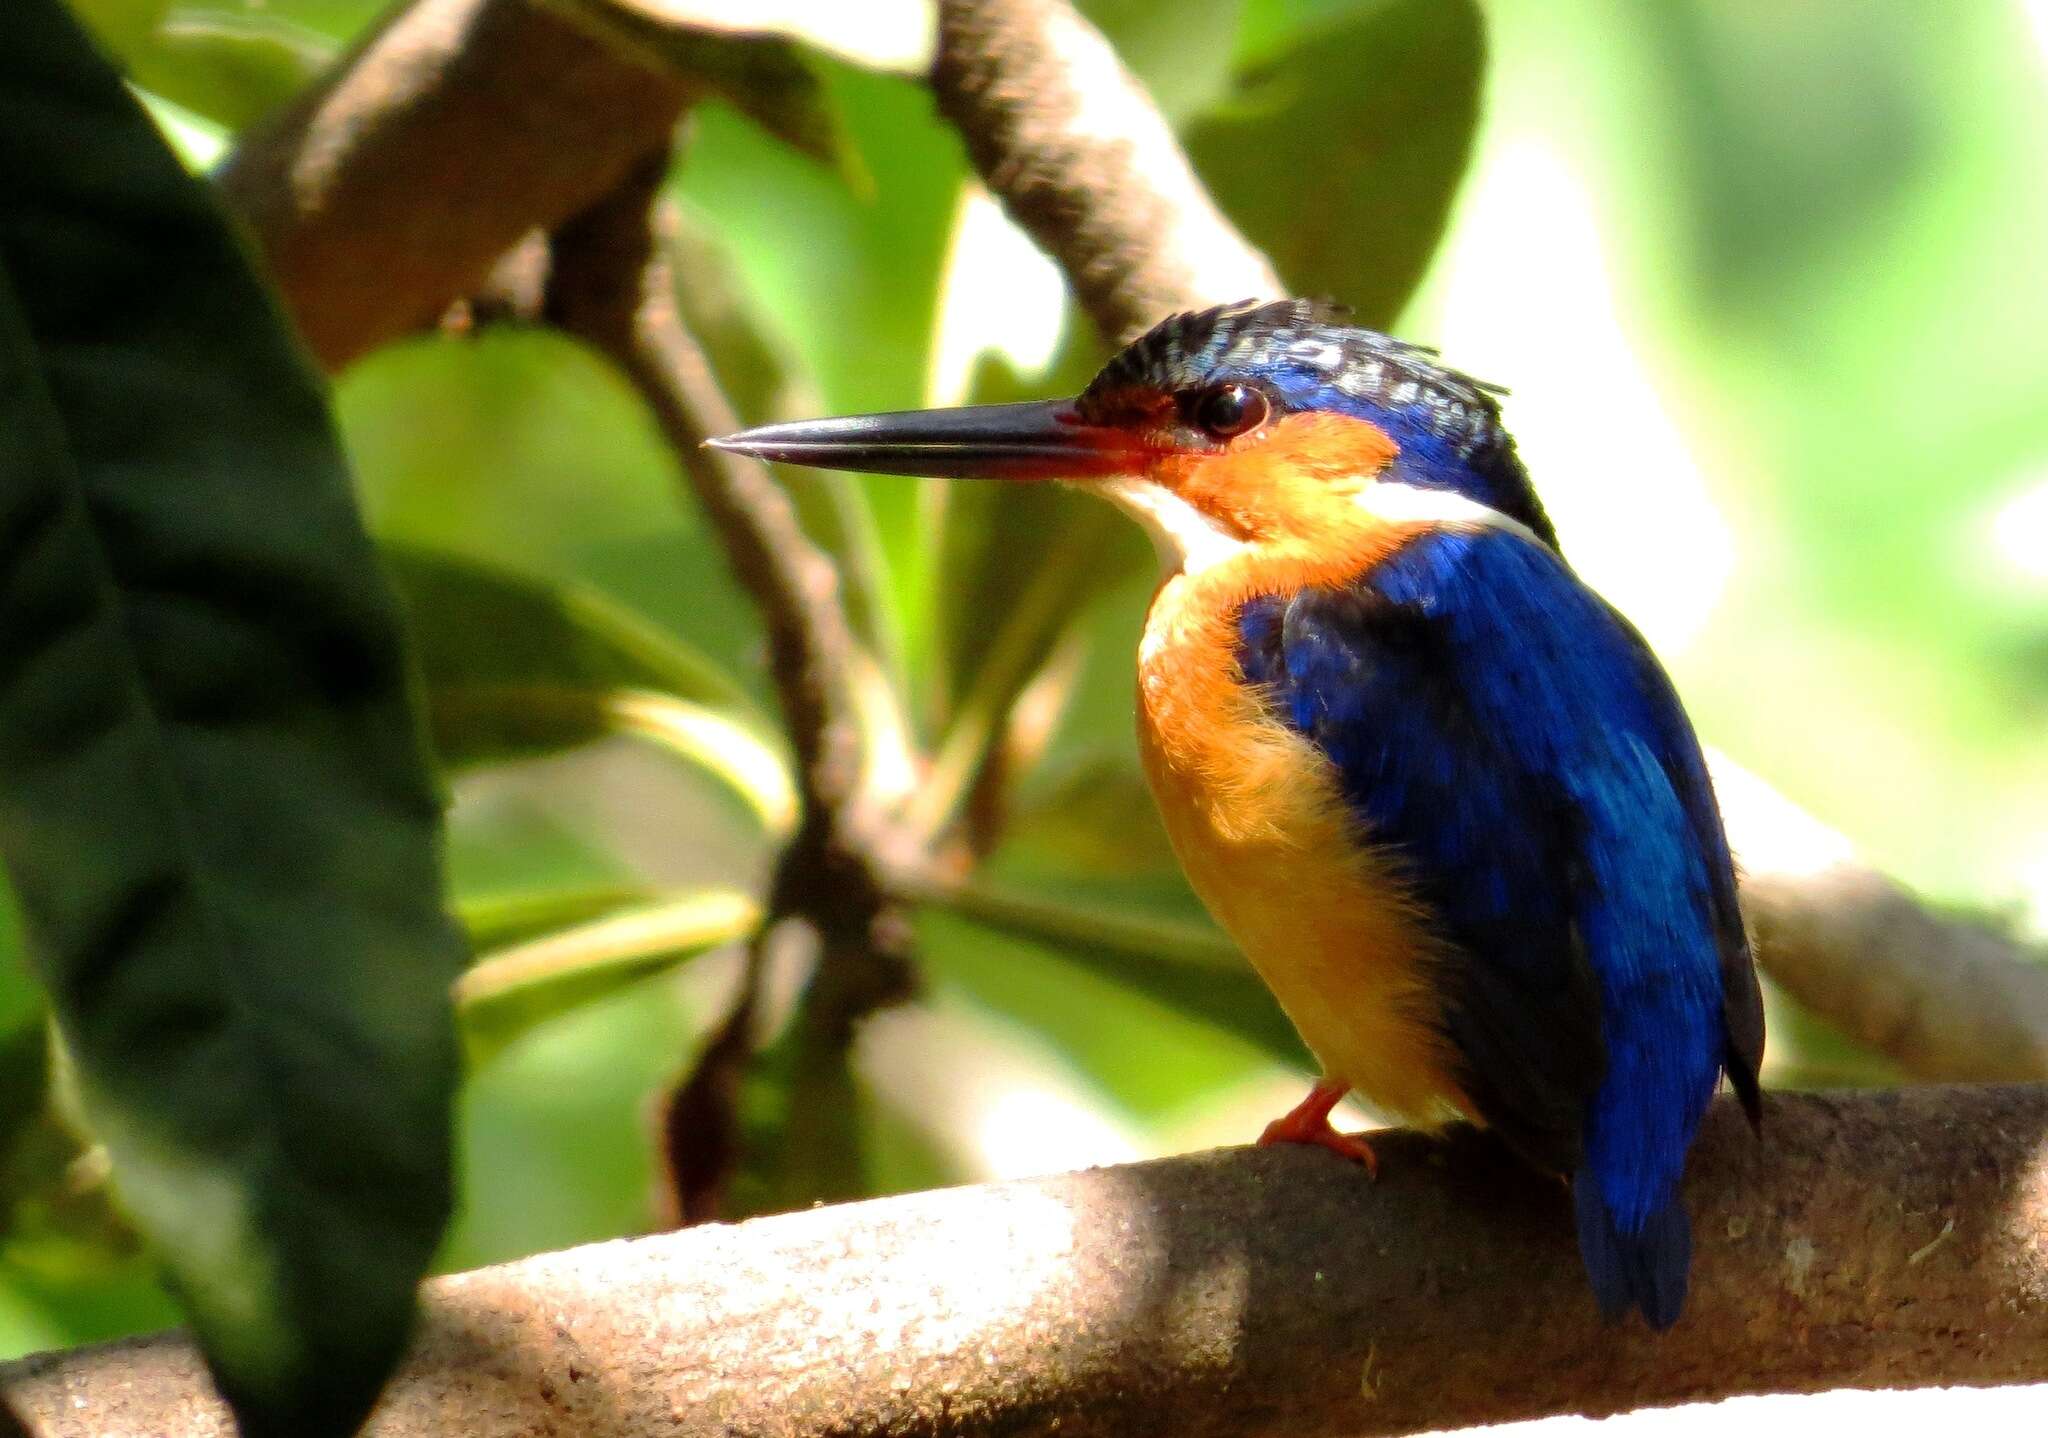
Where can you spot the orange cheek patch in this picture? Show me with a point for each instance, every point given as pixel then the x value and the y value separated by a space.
pixel 1282 476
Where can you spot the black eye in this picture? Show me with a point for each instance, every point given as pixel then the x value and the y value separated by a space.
pixel 1231 409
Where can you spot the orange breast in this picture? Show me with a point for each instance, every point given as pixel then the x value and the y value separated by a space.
pixel 1259 823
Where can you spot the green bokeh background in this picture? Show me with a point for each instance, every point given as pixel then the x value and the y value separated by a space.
pixel 1766 280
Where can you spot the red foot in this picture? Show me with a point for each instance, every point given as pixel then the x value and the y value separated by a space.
pixel 1309 1122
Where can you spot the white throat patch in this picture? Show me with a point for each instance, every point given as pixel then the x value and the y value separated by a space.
pixel 1188 540
pixel 1416 504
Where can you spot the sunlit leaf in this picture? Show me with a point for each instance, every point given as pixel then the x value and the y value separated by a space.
pixel 123 26
pixel 232 69
pixel 528 453
pixel 510 991
pixel 517 668
pixel 1339 157
pixel 498 921
pixel 212 799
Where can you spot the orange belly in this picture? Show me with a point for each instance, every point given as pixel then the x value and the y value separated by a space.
pixel 1259 824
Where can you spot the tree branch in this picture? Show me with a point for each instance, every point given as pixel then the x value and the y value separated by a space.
pixel 392 187
pixel 1085 164
pixel 1082 160
pixel 1890 1239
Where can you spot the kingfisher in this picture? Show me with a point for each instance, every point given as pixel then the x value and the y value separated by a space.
pixel 1439 792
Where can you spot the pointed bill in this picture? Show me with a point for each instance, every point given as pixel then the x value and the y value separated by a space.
pixel 1039 439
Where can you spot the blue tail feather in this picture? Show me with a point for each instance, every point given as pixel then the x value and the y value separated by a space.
pixel 1645 1269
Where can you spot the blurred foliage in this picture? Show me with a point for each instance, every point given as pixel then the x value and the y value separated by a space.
pixel 1760 276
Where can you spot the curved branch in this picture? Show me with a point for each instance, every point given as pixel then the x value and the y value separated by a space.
pixel 1083 161
pixel 1880 1240
pixel 454 129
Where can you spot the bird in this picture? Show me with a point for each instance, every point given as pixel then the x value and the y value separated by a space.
pixel 1441 794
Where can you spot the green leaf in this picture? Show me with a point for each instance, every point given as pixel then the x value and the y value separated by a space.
pixel 1340 156
pixel 1190 967
pixel 123 26
pixel 881 34
pixel 511 991
pixel 518 667
pixel 804 1121
pixel 231 68
pixel 498 921
pixel 1180 49
pixel 212 797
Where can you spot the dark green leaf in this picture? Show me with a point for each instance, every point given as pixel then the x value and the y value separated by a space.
pixel 212 797
pixel 232 69
pixel 1340 156
pixel 475 625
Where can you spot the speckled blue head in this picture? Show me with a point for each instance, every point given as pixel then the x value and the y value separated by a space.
pixel 1304 357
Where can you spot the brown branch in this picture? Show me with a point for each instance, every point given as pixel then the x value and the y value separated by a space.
pixel 1082 160
pixel 1876 1240
pixel 391 188
pixel 1937 995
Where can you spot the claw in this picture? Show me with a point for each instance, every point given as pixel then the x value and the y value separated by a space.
pixel 1309 1122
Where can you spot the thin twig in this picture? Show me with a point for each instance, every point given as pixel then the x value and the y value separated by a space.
pixel 612 285
pixel 1876 1240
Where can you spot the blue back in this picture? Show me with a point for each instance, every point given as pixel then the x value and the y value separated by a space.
pixel 1516 745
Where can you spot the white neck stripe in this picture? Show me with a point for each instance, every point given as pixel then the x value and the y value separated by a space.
pixel 1415 504
pixel 1189 541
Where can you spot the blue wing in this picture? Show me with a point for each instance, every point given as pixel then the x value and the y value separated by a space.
pixel 1515 743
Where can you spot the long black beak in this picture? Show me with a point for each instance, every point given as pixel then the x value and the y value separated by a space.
pixel 1040 439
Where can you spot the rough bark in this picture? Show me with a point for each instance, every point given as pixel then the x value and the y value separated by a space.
pixel 393 186
pixel 1888 1239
